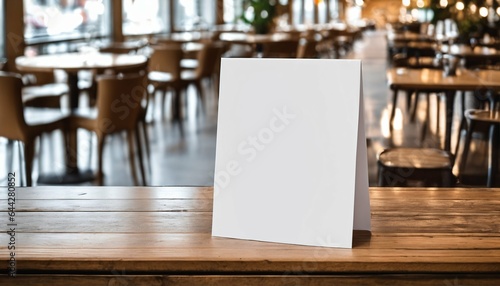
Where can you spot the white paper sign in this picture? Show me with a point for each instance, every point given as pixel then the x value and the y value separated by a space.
pixel 291 162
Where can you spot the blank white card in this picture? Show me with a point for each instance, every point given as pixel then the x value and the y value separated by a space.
pixel 291 163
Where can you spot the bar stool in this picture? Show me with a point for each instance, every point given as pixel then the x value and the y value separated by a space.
pixel 431 167
pixel 487 121
pixel 427 166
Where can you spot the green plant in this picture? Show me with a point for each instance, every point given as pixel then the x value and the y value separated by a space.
pixel 259 14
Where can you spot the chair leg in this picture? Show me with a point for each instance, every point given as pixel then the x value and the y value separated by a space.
pixel 201 95
pixel 393 110
pixel 162 103
pixel 9 153
pixel 40 152
pixel 438 113
pixel 146 142
pixel 215 83
pixel 90 149
pixel 176 104
pixel 414 107
pixel 389 177
pixel 492 156
pixel 425 125
pixel 29 151
pixel 381 181
pixel 448 180
pixel 409 94
pixel 152 103
pixel 131 154
pixel 20 159
pixel 465 152
pixel 139 154
pixel 461 127
pixel 100 148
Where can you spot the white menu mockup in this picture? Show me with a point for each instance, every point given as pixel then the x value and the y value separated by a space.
pixel 291 162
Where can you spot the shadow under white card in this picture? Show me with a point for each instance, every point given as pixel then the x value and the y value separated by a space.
pixel 290 152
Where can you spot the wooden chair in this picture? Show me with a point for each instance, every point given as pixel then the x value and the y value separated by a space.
pixel 88 83
pixel 165 74
pixel 208 68
pixel 281 49
pixel 119 99
pixel 142 123
pixel 424 166
pixel 14 125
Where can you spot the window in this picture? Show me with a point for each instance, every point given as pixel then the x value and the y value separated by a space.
pixel 321 11
pixel 194 14
pixel 52 20
pixel 145 17
pixel 334 9
pixel 304 10
pixel 298 12
pixel 233 9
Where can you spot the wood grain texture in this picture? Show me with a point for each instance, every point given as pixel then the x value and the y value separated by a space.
pixel 442 233
pixel 289 278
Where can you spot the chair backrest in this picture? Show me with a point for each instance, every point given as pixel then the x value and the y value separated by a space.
pixel 12 123
pixel 166 59
pixel 138 71
pixel 281 49
pixel 119 99
pixel 209 59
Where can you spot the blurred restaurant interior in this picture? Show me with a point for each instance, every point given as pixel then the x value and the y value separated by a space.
pixel 430 68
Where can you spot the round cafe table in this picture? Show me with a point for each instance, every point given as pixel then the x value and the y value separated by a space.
pixel 72 63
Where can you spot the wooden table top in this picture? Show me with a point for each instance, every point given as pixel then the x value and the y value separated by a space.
pixel 73 62
pixel 244 38
pixel 434 79
pixel 166 231
pixel 467 51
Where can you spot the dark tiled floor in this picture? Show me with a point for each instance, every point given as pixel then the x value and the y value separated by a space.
pixel 187 158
